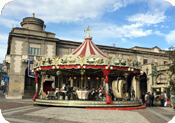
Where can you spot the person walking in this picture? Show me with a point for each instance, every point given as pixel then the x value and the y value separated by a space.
pixel 143 98
pixel 162 99
pixel 148 100
pixel 152 99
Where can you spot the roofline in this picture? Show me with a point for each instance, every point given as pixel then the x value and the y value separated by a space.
pixel 147 47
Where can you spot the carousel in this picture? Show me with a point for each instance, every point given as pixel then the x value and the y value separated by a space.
pixel 86 78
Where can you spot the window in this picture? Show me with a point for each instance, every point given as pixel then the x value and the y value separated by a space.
pixel 145 61
pixel 165 62
pixel 34 51
pixel 155 61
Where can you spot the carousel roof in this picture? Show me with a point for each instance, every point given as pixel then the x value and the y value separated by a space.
pixel 87 48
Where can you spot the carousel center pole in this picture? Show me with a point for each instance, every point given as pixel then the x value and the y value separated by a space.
pixel 108 98
pixel 36 81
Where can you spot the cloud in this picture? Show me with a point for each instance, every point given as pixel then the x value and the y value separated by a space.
pixel 170 38
pixel 148 18
pixel 123 40
pixel 127 31
pixel 3 46
pixel 61 10
pixel 158 5
pixel 9 22
pixel 117 6
pixel 72 10
pixel 159 33
pixel 3 38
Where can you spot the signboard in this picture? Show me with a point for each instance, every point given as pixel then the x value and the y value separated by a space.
pixel 6 79
pixel 30 68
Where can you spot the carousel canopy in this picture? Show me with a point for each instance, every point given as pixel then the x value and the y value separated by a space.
pixel 87 48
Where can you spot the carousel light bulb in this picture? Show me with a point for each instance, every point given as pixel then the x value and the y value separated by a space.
pixel 84 66
pixel 58 67
pixel 39 68
pixel 74 77
pixel 106 67
pixel 111 67
pixel 88 78
pixel 129 69
pixel 132 69
pixel 78 66
pixel 53 67
pixel 32 71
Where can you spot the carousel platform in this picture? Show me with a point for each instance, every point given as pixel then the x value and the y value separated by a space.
pixel 88 104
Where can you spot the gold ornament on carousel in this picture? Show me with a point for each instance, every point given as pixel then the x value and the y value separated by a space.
pixel 82 72
pixel 56 59
pixel 40 61
pixel 109 59
pixel 81 57
pixel 129 61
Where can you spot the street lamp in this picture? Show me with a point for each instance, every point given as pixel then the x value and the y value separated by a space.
pixel 154 72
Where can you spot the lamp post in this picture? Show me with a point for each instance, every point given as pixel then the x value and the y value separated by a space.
pixel 154 72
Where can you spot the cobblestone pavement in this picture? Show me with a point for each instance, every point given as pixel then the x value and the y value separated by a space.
pixel 23 111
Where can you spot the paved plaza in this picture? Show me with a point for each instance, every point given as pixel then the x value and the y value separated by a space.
pixel 23 111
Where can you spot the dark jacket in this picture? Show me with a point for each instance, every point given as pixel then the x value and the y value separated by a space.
pixel 143 96
pixel 152 97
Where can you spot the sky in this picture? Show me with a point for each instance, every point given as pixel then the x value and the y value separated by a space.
pixel 125 23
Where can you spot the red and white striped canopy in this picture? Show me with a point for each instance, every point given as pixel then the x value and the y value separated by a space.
pixel 87 48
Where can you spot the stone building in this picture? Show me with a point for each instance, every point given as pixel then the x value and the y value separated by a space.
pixel 31 41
